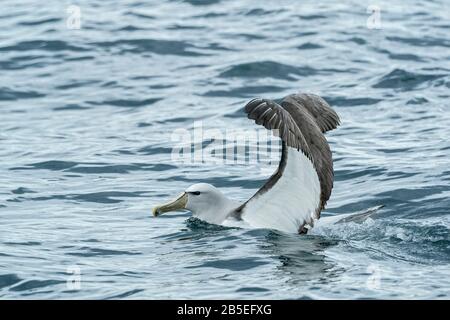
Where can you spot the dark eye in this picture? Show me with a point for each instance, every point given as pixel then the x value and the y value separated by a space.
pixel 196 193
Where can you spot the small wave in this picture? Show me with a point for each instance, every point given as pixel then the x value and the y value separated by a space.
pixel 202 2
pixel 262 12
pixel 351 102
pixel 79 58
pixel 22 62
pixel 140 15
pixel 407 194
pixel 417 100
pixel 358 40
pixel 185 27
pixel 7 94
pixel 98 252
pixel 127 103
pixel 7 280
pixel 401 79
pixel 22 190
pixel 220 182
pixel 405 56
pixel 39 22
pixel 309 46
pixel 401 56
pixel 35 284
pixel 126 294
pixel 239 113
pixel 70 107
pixel 104 197
pixel 239 264
pixel 151 150
pixel 54 165
pixel 211 15
pixel 342 175
pixel 267 69
pixel 394 150
pixel 43 45
pixel 170 120
pixel 422 41
pixel 139 46
pixel 121 169
pixel 76 84
pixel 246 36
pixel 252 289
pixel 129 28
pixel 312 17
pixel 27 243
pixel 243 92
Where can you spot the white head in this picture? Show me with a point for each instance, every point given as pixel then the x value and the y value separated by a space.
pixel 205 201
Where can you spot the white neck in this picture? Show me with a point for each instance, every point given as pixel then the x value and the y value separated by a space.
pixel 218 211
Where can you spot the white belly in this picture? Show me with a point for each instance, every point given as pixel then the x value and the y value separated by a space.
pixel 291 202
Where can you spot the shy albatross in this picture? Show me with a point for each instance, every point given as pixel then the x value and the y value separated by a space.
pixel 292 199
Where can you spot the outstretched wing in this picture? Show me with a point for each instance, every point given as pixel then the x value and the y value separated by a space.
pixel 273 117
pixel 326 118
pixel 296 193
pixel 310 112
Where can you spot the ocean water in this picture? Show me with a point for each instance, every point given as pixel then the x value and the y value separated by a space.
pixel 87 122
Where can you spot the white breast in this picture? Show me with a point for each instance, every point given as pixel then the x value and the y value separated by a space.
pixel 291 202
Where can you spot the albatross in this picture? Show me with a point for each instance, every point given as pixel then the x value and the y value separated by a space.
pixel 292 199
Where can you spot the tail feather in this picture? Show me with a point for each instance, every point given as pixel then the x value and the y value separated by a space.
pixel 360 217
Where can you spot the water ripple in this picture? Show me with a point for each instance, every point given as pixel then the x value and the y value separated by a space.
pixel 267 69
pixel 402 79
pixel 88 117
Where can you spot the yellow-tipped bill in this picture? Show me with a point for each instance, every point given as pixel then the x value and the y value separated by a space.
pixel 177 204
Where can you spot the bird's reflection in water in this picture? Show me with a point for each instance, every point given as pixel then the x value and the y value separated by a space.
pixel 302 257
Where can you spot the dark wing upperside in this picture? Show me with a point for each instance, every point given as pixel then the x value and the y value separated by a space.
pixel 274 117
pixel 326 118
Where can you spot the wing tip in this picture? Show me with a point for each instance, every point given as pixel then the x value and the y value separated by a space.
pixel 324 115
pixel 252 104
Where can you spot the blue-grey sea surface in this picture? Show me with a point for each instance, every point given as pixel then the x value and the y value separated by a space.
pixel 88 112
